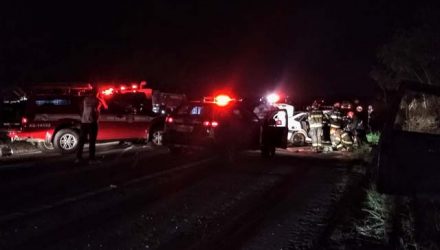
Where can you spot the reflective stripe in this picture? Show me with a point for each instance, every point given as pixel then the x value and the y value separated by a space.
pixel 315 125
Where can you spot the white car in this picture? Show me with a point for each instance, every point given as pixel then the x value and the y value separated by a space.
pixel 298 125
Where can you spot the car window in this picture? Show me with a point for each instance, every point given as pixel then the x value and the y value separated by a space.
pixel 301 117
pixel 132 103
pixel 249 116
pixel 418 112
pixel 193 110
pixel 55 105
pixel 52 102
pixel 196 110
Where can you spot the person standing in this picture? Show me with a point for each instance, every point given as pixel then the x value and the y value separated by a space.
pixel 263 109
pixel 348 132
pixel 315 122
pixel 336 126
pixel 370 127
pixel 90 109
pixel 359 126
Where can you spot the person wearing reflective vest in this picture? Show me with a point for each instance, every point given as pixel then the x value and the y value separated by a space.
pixel 336 127
pixel 347 134
pixel 315 119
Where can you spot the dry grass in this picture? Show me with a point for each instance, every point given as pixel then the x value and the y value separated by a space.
pixel 377 210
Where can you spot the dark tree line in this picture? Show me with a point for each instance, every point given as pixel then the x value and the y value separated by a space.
pixel 412 54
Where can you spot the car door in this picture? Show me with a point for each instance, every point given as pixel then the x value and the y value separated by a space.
pixel 409 155
pixel 140 115
pixel 245 128
pixel 275 134
pixel 113 122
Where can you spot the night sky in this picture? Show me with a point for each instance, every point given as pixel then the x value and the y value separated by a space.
pixel 304 48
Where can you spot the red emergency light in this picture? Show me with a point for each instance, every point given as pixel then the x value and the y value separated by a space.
pixel 111 89
pixel 222 100
pixel 108 91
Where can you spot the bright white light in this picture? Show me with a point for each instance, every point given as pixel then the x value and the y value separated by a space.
pixel 272 98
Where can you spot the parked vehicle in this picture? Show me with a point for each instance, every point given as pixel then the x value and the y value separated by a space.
pixel 223 124
pixel 51 115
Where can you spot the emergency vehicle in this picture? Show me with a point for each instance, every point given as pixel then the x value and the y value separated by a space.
pixel 224 124
pixel 51 115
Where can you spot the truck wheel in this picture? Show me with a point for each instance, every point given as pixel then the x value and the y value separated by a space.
pixel 298 139
pixel 45 147
pixel 156 137
pixel 66 141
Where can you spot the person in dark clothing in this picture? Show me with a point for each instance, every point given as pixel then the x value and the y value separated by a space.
pixel 371 126
pixel 91 107
pixel 359 126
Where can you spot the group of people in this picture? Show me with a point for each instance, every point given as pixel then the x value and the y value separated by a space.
pixel 346 131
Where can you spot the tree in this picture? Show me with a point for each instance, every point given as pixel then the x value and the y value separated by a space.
pixel 412 55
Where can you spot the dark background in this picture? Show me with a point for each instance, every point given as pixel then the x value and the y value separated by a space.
pixel 303 48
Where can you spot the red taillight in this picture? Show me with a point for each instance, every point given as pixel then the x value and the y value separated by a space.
pixel 169 119
pixel 210 124
pixel 24 120
pixel 278 122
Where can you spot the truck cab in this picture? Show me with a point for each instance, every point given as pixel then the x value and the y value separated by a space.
pixel 51 116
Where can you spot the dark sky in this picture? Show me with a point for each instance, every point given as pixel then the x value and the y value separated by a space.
pixel 302 47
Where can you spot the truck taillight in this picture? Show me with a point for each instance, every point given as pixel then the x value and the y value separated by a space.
pixel 169 119
pixel 24 120
pixel 214 124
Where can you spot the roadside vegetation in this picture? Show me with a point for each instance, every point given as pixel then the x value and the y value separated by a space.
pixel 371 220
